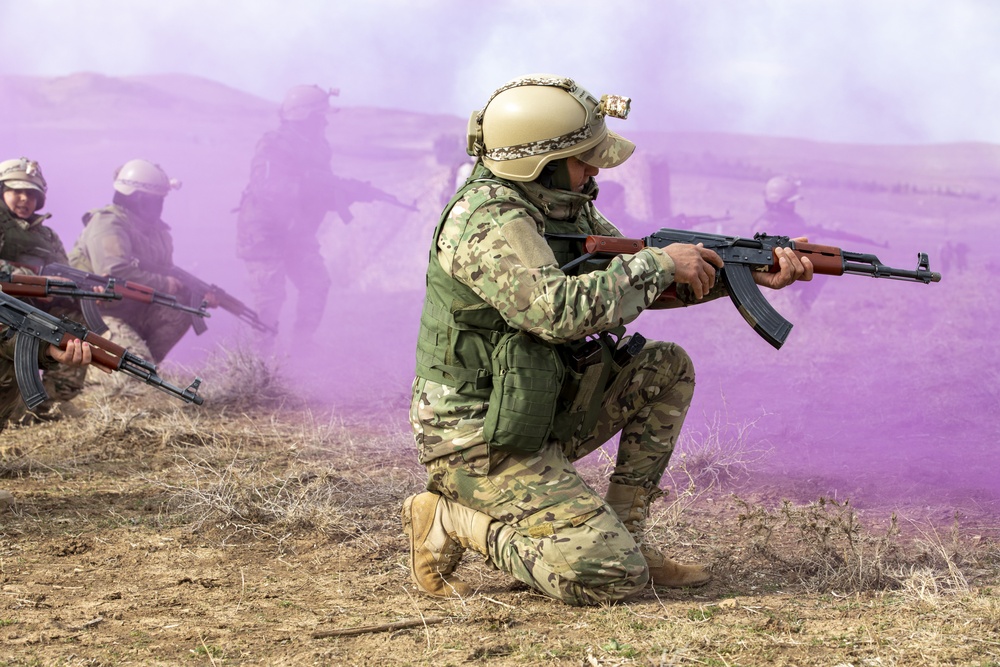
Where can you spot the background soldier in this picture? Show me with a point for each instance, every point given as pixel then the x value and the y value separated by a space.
pixel 291 188
pixel 25 241
pixel 781 219
pixel 518 371
pixel 129 241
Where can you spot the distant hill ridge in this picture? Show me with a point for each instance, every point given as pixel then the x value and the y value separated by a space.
pixel 92 101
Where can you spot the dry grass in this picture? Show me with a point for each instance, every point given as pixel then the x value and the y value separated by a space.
pixel 243 379
pixel 217 535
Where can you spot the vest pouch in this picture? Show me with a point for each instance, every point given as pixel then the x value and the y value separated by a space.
pixel 527 379
pixel 589 368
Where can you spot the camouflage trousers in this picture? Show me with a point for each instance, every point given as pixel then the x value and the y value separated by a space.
pixel 152 340
pixel 150 334
pixel 306 270
pixel 552 530
pixel 10 396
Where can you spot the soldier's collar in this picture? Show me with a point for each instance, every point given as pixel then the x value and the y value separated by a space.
pixel 558 204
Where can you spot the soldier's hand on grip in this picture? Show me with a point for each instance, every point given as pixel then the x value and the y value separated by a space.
pixel 694 265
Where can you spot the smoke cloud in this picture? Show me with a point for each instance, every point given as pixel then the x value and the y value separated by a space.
pixel 895 71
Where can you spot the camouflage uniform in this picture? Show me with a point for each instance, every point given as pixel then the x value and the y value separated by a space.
pixel 117 242
pixel 551 530
pixel 32 243
pixel 291 188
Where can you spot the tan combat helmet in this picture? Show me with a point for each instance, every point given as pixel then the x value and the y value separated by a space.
pixel 535 119
pixel 144 176
pixel 781 190
pixel 303 101
pixel 24 174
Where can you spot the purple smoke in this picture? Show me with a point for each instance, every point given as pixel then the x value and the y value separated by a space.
pixel 884 391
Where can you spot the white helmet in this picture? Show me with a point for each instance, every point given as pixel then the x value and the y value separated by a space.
pixel 24 174
pixel 782 190
pixel 144 176
pixel 535 119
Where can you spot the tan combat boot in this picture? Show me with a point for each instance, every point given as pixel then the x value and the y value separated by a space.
pixel 631 504
pixel 440 531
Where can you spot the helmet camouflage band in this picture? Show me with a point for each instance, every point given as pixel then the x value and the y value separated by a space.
pixel 144 176
pixel 24 174
pixel 532 120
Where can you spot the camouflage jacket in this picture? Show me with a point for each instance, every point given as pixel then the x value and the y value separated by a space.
pixel 28 241
pixel 117 242
pixel 490 245
pixel 290 190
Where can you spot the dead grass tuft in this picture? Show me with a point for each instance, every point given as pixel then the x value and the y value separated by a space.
pixel 824 546
pixel 717 455
pixel 242 379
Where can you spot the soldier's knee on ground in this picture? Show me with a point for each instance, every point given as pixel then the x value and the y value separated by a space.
pixel 588 560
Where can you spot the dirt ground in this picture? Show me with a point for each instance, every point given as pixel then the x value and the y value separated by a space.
pixel 239 535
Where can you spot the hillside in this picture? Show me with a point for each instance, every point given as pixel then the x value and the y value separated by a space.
pixel 902 361
pixel 843 488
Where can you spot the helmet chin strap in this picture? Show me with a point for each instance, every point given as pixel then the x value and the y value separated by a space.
pixel 555 176
pixel 146 206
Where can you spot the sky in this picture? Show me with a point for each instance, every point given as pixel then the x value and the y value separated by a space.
pixel 855 71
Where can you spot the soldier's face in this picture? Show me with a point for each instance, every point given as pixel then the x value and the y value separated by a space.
pixel 579 173
pixel 22 203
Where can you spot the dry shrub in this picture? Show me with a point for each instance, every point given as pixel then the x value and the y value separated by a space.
pixel 718 454
pixel 243 497
pixel 824 546
pixel 272 479
pixel 243 379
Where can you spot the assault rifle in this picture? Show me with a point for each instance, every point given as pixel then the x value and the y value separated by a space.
pixel 41 287
pixel 32 327
pixel 120 289
pixel 197 288
pixel 346 191
pixel 743 256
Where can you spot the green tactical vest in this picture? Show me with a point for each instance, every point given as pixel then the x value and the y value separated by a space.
pixel 458 330
pixel 29 242
pixel 459 333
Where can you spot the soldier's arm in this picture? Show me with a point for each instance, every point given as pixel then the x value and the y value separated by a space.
pixel 111 253
pixel 503 258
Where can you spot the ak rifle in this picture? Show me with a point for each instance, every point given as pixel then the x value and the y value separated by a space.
pixel 743 256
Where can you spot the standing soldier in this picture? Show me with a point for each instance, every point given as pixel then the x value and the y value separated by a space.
pixel 518 371
pixel 128 240
pixel 25 241
pixel 291 188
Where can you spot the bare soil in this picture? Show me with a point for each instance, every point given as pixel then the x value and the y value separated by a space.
pixel 244 535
